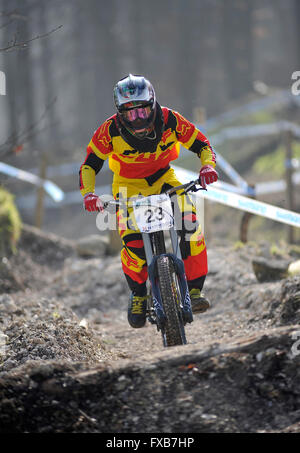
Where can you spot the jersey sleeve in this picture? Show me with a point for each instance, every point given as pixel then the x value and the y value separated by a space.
pixel 193 139
pixel 88 170
pixel 98 150
pixel 101 142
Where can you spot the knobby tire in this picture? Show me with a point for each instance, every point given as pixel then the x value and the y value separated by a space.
pixel 173 332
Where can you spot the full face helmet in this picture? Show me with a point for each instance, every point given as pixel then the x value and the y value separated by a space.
pixel 135 102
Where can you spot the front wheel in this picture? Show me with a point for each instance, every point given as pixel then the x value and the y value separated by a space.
pixel 173 330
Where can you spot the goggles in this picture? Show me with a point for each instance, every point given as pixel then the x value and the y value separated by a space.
pixel 134 113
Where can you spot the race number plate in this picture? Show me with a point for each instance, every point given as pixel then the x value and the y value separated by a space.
pixel 153 213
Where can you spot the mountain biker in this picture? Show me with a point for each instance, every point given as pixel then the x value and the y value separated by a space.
pixel 140 140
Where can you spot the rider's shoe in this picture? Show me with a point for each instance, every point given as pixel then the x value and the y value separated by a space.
pixel 199 303
pixel 137 311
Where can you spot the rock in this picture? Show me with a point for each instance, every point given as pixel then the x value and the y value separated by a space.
pixel 45 248
pixel 294 268
pixel 10 280
pixel 84 323
pixel 92 246
pixel 290 301
pixel 294 250
pixel 7 304
pixel 291 309
pixel 267 270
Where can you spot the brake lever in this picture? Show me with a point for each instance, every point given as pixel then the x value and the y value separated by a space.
pixel 193 188
pixel 190 187
pixel 200 188
pixel 110 207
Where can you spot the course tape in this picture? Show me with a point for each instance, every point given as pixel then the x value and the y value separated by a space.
pixel 234 176
pixel 241 202
pixel 52 189
pixel 74 197
pixel 242 132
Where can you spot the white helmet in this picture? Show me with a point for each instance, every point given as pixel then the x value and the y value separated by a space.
pixel 135 102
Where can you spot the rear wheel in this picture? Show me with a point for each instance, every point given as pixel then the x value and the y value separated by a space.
pixel 173 331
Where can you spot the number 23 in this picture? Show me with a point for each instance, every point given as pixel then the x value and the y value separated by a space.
pixel 154 214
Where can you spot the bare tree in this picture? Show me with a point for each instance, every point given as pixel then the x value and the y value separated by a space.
pixel 297 21
pixel 18 138
pixel 16 43
pixel 23 125
pixel 237 46
pixel 14 15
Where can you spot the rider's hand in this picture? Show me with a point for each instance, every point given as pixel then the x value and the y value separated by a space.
pixel 92 203
pixel 207 175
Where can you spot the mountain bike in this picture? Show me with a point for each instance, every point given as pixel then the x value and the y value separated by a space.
pixel 168 300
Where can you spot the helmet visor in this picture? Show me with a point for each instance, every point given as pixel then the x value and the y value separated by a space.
pixel 137 116
pixel 133 114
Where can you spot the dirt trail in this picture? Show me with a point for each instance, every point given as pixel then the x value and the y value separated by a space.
pixel 72 363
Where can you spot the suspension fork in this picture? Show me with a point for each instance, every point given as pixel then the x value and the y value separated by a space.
pixel 180 272
pixel 151 263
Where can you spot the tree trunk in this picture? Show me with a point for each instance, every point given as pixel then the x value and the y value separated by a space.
pixel 238 52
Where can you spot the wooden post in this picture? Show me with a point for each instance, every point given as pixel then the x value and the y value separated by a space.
pixel 289 181
pixel 39 209
pixel 244 227
pixel 245 223
pixel 199 115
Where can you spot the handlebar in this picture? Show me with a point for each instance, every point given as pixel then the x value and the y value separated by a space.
pixel 188 187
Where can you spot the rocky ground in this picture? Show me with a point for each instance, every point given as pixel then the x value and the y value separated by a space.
pixel 69 362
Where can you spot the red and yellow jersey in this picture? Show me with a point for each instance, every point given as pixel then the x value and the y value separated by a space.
pixel 128 162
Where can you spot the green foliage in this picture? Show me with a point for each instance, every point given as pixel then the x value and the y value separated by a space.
pixel 275 250
pixel 295 250
pixel 10 223
pixel 275 162
pixel 260 117
pixel 238 245
pixel 280 249
pixel 263 117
